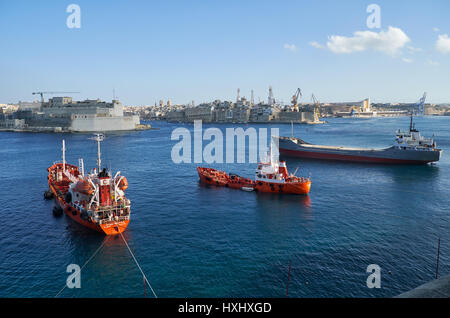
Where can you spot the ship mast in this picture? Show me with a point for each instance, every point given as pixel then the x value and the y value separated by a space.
pixel 99 138
pixel 64 154
pixel 411 123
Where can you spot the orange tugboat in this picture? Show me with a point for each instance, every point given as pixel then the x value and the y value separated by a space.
pixel 96 200
pixel 270 177
pixel 274 177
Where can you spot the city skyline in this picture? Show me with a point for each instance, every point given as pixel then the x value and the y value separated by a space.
pixel 204 51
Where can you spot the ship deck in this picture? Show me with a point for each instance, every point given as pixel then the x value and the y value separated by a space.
pixel 337 148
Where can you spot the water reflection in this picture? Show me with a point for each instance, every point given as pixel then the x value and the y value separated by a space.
pixel 281 202
pixel 416 173
pixel 397 173
pixel 284 217
pixel 85 241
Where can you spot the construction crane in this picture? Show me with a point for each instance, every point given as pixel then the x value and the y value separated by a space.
pixel 42 94
pixel 420 105
pixel 316 105
pixel 295 98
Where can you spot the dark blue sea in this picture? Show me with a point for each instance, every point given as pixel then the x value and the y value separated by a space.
pixel 198 241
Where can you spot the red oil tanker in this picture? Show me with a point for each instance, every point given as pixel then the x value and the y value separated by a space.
pixel 95 200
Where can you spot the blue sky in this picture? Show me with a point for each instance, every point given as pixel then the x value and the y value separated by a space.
pixel 203 50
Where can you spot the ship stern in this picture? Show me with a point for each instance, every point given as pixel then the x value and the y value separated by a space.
pixel 114 228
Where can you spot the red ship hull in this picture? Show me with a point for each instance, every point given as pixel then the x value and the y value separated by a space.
pixel 342 157
pixel 220 178
pixel 287 187
pixel 59 190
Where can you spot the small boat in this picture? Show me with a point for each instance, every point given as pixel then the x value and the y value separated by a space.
pixel 270 177
pixel 95 200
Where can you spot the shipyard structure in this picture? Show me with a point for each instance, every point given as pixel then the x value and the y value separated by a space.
pixel 314 112
pixel 240 112
pixel 62 114
pixel 246 111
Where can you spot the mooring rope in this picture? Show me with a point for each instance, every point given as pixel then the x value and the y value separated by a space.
pixel 89 259
pixel 145 277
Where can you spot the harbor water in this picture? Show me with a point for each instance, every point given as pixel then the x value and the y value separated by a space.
pixel 193 240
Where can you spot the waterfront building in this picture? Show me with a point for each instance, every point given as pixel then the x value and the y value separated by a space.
pixel 241 114
pixel 63 114
pixel 8 123
pixel 175 116
pixel 262 113
pixel 293 116
pixel 89 115
pixel 202 112
pixel 35 105
pixel 222 111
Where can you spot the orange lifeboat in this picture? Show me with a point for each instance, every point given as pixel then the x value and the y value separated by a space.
pixel 84 187
pixel 123 184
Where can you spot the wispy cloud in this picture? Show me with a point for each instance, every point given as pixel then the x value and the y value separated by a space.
pixel 432 63
pixel 407 60
pixel 443 44
pixel 317 45
pixel 436 29
pixel 290 47
pixel 412 49
pixel 389 42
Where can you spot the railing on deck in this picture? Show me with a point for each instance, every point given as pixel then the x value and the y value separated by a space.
pixel 113 220
pixel 115 212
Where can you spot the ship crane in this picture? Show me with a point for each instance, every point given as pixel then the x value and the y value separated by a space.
pixel 42 94
pixel 295 97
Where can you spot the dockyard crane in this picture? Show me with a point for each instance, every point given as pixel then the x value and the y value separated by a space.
pixel 42 94
pixel 295 97
pixel 420 105
pixel 316 105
